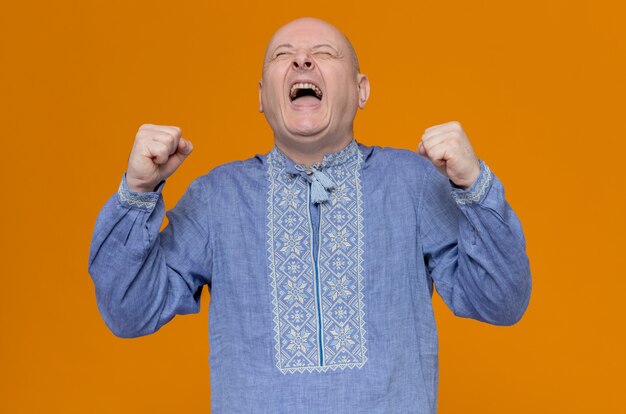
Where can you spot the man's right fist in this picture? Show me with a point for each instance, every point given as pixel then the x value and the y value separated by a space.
pixel 157 152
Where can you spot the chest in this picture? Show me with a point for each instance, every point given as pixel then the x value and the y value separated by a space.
pixel 309 272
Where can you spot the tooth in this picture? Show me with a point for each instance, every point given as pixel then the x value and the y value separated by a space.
pixel 303 85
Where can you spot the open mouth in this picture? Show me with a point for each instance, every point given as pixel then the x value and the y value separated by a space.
pixel 304 89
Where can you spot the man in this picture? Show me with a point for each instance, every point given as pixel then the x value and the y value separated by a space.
pixel 320 255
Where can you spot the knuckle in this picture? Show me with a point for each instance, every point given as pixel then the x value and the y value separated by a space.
pixel 165 136
pixel 163 147
pixel 159 149
pixel 142 135
pixel 170 130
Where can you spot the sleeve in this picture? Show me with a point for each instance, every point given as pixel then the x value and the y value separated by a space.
pixel 144 277
pixel 474 248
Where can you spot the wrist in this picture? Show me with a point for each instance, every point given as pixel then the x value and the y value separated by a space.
pixel 135 186
pixel 465 185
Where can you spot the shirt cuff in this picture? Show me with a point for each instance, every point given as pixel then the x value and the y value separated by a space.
pixel 478 189
pixel 141 200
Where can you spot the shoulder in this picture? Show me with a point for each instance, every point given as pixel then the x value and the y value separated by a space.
pixel 232 174
pixel 397 160
pixel 234 170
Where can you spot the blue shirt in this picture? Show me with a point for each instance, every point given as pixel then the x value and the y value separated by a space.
pixel 321 278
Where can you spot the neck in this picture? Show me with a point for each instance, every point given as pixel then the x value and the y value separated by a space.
pixel 307 153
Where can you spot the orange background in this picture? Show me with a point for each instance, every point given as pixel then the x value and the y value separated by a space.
pixel 538 87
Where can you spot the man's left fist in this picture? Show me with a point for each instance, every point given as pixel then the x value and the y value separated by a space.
pixel 448 148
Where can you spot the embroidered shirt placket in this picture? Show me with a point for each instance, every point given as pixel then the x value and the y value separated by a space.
pixel 315 248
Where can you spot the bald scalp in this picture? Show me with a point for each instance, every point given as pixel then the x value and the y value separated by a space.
pixel 353 57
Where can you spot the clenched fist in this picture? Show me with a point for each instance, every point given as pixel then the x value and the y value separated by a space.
pixel 157 152
pixel 450 151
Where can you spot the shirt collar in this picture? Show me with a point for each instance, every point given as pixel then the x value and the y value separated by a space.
pixel 345 154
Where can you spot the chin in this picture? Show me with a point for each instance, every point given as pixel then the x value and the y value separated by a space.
pixel 306 127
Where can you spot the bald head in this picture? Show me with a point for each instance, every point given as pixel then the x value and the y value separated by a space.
pixel 311 25
pixel 311 86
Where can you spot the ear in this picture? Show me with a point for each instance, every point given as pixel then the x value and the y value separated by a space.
pixel 260 100
pixel 364 89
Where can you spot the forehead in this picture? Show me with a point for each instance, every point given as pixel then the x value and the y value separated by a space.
pixel 307 33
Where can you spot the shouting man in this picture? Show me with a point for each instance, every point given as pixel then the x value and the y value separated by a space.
pixel 320 255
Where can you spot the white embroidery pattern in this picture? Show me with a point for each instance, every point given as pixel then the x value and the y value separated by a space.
pixel 341 268
pixel 484 179
pixel 145 201
pixel 296 304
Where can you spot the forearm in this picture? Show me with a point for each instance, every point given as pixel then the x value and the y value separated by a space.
pixel 493 280
pixel 475 249
pixel 143 278
pixel 124 263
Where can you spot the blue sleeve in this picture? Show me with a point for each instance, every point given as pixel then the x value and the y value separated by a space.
pixel 144 277
pixel 474 248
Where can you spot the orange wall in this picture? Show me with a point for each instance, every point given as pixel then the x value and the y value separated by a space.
pixel 538 86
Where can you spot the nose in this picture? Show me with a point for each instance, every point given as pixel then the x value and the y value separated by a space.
pixel 302 61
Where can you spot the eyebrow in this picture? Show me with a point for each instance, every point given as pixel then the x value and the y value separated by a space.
pixel 323 45
pixel 282 45
pixel 314 47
